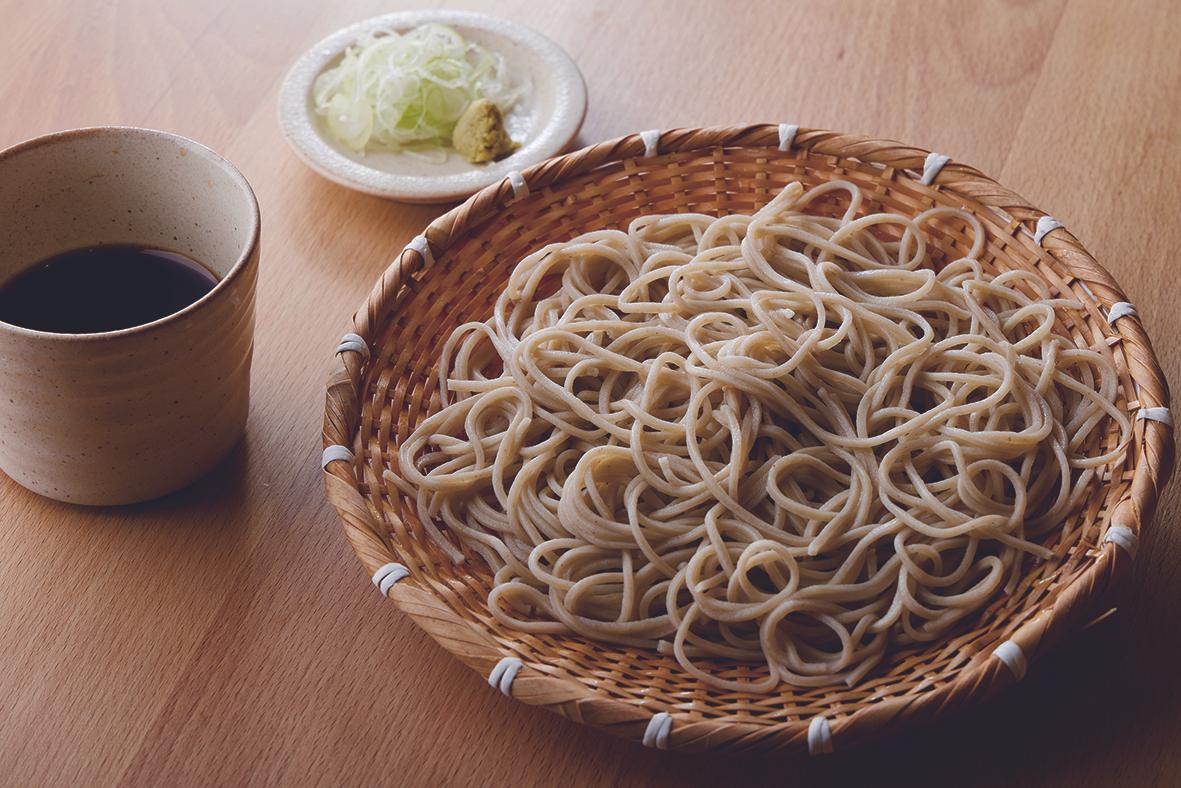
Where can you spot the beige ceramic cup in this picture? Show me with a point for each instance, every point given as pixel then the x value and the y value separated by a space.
pixel 128 415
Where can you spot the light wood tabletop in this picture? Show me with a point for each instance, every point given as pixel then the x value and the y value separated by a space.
pixel 226 635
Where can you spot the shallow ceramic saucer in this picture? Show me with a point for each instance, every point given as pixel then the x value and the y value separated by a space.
pixel 545 122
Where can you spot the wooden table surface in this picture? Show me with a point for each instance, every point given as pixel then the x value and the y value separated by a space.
pixel 226 635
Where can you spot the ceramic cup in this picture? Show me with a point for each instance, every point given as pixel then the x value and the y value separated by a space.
pixel 129 415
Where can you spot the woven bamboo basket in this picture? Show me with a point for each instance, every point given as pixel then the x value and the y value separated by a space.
pixel 380 389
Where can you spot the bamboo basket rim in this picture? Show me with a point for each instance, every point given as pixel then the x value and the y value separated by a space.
pixel 350 484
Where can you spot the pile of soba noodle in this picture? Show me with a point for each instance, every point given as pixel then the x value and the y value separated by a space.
pixel 781 438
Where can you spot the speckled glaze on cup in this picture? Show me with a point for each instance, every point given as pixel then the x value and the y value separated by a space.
pixel 128 415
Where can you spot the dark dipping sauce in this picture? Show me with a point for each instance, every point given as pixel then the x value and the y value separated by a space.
pixel 103 288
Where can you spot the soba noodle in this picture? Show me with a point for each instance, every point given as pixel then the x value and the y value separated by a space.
pixel 784 438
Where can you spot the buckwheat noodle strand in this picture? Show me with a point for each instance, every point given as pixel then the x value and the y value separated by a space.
pixel 783 438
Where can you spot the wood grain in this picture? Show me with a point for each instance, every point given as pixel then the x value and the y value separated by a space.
pixel 225 635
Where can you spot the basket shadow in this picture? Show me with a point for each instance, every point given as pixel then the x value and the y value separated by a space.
pixel 1091 696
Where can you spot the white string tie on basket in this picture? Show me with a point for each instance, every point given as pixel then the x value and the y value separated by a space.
pixel 1012 655
pixel 517 181
pixel 1121 309
pixel 334 453
pixel 819 737
pixel 656 734
pixel 420 244
pixel 351 342
pixel 651 139
pixel 1156 414
pixel 504 674
pixel 787 135
pixel 932 166
pixel 385 577
pixel 1122 536
pixel 1045 225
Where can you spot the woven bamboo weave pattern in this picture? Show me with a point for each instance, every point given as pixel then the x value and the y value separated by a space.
pixel 375 399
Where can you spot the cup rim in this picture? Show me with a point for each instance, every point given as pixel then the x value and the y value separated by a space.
pixel 248 248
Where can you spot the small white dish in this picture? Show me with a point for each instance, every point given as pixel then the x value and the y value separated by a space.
pixel 548 118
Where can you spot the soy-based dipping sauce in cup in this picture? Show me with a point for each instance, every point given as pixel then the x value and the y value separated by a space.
pixel 128 264
pixel 103 288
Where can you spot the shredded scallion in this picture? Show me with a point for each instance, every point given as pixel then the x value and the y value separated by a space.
pixel 394 91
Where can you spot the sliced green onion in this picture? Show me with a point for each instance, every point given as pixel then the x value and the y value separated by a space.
pixel 394 91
